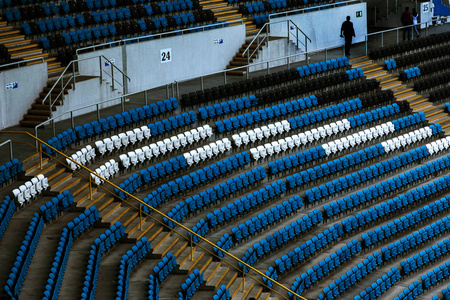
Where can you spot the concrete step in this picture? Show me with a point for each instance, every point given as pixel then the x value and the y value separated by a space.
pixel 147 227
pixel 216 279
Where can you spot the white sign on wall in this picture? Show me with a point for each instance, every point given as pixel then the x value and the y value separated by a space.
pixel 166 55
pixel 11 85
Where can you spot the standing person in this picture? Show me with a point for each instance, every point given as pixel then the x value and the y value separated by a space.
pixel 348 32
pixel 406 20
pixel 415 20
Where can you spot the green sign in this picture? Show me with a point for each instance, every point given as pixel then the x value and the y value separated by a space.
pixel 359 14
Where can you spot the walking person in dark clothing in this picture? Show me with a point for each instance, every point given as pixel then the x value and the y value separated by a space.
pixel 347 32
pixel 406 20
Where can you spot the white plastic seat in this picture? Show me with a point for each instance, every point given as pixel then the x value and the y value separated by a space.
pixel 146 132
pixel 327 149
pixel 286 125
pixel 322 132
pixel 182 139
pixel 266 131
pixel 309 136
pixel 195 135
pixel 131 136
pixel 140 155
pixel 189 137
pixel 340 126
pixel 115 165
pixel 334 127
pixel 237 140
pixel 328 130
pixel 147 152
pixel 259 134
pixel 227 144
pixel 208 130
pixel 262 151
pixel 77 159
pixel 339 145
pixel 214 148
pixel 18 195
pixel 31 188
pixel 208 151
pixel 251 135
pixel 101 147
pixel 351 140
pixel 175 142
pixel 201 132
pixel 255 153
pixel 94 176
pixel 133 157
pixel 189 159
pixel 283 144
pixel 124 139
pixel 269 149
pixel 110 168
pixel 346 123
pixel 202 153
pixel 71 164
pixel 104 172
pixel 303 138
pixel 221 146
pixel 315 134
pixel 44 181
pixel 169 144
pixel 276 147
pixel 333 147
pixel 109 145
pixel 279 127
pixel 368 134
pixel 125 160
pixel 139 134
pixel 245 138
pixel 91 151
pixel 357 138
pixel 290 142
pixel 296 140
pixel 345 142
pixel 363 136
pixel 195 156
pixel 37 185
pixel 81 157
pixel 273 129
pixel 117 142
pixel 391 126
pixel 162 147
pixel 86 154
pixel 26 192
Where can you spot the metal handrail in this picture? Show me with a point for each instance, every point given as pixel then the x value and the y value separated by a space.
pixel 191 233
pixel 159 35
pixel 22 61
pixel 296 11
pixel 10 148
pixel 382 32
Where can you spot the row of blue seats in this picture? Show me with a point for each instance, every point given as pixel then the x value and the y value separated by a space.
pixel 153 288
pixel 445 294
pixel 417 237
pixel 341 205
pixel 69 234
pixel 284 235
pixel 82 223
pixel 390 229
pixel 128 262
pixel 355 73
pixel 351 278
pixel 212 195
pixel 225 108
pixel 160 170
pixel 390 64
pixel 101 245
pixel 427 256
pixel 7 209
pixel 194 179
pixel 256 224
pixel 412 73
pixel 381 188
pixel 256 7
pixel 222 293
pixel 380 286
pixel 172 123
pixel 305 250
pixel 165 267
pixel 409 120
pixel 192 283
pixel 105 125
pixel 320 270
pixel 25 254
pixel 62 202
pixel 411 292
pixel 241 121
pixel 12 15
pixel 242 205
pixel 447 106
pixel 323 66
pixel 435 276
pixel 130 185
pixel 367 174
pixel 9 170
pixel 375 114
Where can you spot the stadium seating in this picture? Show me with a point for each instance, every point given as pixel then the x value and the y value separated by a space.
pixel 30 190
pixel 381 285
pixel 160 273
pixel 10 170
pixel 192 283
pixel 7 208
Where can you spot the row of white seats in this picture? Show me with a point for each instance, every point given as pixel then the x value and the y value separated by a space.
pixel 358 138
pixel 407 139
pixel 208 151
pixel 122 140
pixel 31 189
pixel 83 157
pixel 107 171
pixel 272 130
pixel 439 145
pixel 167 145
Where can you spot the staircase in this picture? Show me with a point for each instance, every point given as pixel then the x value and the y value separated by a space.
pixel 239 60
pixel 224 12
pixel 403 91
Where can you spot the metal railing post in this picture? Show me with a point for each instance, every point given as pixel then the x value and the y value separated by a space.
pixel 62 88
pixel 122 102
pixel 192 248
pixel 11 156
pixel 73 75
pixel 40 155
pixel 382 39
pixel 101 69
pixel 243 278
pixel 98 112
pixel 36 143
pixel 90 187
pixel 140 216
pixel 146 97
pixel 112 76
pixel 71 119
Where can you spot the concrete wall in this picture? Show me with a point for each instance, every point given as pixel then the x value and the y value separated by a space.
pixel 323 26
pixel 14 103
pixel 193 54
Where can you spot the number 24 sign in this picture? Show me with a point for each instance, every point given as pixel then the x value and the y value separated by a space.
pixel 166 55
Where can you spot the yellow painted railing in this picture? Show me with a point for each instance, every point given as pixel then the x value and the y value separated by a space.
pixel 141 203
